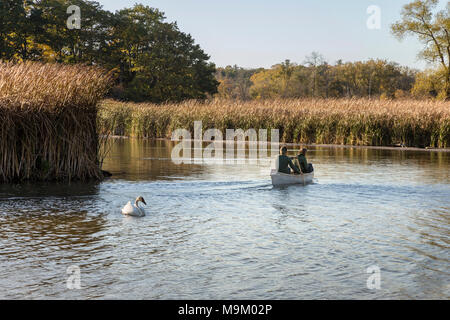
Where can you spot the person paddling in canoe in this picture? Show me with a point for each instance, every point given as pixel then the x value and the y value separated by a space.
pixel 285 163
pixel 304 165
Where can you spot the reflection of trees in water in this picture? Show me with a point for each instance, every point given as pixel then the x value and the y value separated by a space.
pixel 426 165
pixel 58 227
pixel 140 159
pixel 45 219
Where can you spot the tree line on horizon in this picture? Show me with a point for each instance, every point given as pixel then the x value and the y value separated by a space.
pixel 154 61
pixel 318 79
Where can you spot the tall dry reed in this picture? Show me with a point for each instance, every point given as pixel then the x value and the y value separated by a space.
pixel 48 121
pixel 322 121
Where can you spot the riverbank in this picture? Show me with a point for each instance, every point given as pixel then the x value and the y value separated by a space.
pixel 293 145
pixel 353 122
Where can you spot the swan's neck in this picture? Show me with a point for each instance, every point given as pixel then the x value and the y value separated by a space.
pixel 139 209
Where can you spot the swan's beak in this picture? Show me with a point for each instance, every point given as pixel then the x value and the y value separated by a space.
pixel 143 201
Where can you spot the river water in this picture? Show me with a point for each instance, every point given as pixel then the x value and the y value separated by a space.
pixel 221 231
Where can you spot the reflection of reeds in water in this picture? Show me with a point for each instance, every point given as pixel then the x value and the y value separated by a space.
pixel 144 159
pixel 323 121
pixel 48 116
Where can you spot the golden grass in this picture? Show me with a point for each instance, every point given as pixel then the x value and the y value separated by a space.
pixel 48 114
pixel 323 121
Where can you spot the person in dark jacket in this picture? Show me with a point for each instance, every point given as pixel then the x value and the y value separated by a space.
pixel 304 165
pixel 285 162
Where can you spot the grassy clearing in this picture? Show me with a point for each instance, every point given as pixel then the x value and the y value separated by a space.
pixel 48 115
pixel 363 122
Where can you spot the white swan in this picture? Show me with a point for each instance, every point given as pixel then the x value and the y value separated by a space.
pixel 134 211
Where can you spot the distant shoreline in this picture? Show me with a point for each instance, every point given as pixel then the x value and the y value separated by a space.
pixel 290 144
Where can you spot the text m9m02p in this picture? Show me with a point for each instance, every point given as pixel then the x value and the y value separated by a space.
pixel 240 309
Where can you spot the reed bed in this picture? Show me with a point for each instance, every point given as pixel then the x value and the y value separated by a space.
pixel 362 122
pixel 48 118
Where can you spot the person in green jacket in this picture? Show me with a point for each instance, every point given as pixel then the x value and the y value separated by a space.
pixel 284 162
pixel 304 165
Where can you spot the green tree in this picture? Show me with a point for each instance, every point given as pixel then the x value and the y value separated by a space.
pixel 432 29
pixel 8 10
pixel 89 44
pixel 20 24
pixel 157 61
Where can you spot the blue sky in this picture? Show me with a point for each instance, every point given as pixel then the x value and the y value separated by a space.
pixel 261 33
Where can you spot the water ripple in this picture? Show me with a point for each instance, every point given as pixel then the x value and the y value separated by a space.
pixel 223 232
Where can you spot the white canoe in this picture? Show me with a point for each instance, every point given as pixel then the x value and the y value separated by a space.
pixel 279 179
